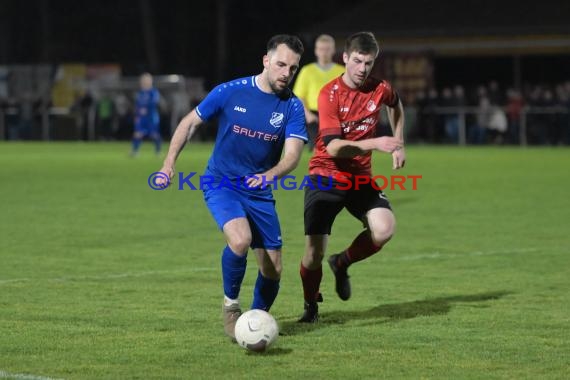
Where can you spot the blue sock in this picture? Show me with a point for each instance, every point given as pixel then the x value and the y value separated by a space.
pixel 136 144
pixel 264 293
pixel 233 270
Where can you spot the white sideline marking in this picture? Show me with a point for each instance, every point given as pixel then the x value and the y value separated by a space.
pixel 23 376
pixel 108 276
pixel 439 255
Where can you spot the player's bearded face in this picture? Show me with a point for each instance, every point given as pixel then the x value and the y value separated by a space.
pixel 281 66
pixel 358 67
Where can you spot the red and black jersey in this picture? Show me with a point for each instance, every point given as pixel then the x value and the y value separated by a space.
pixel 349 114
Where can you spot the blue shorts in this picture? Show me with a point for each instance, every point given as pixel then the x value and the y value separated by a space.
pixel 226 204
pixel 147 125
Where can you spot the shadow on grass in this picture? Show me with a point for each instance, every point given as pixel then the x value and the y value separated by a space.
pixel 272 351
pixel 391 312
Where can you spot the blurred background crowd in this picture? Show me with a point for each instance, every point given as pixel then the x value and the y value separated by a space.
pixel 489 113
pixel 470 72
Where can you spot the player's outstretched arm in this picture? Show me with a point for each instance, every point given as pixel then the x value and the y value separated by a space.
pixel 348 148
pixel 183 133
pixel 292 151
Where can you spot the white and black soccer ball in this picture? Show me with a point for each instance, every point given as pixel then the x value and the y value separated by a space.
pixel 256 330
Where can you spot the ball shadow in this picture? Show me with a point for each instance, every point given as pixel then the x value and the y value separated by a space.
pixel 274 351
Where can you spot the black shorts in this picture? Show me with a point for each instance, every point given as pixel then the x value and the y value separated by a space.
pixel 322 204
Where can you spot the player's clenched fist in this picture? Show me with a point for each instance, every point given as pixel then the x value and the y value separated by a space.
pixel 163 181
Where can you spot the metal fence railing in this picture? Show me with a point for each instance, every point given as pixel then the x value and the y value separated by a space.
pixel 464 112
pixel 46 120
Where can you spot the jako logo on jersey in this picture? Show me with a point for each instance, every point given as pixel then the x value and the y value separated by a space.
pixel 371 106
pixel 240 109
pixel 276 119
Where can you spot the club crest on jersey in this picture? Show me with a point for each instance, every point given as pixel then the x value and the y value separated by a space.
pixel 276 119
pixel 371 106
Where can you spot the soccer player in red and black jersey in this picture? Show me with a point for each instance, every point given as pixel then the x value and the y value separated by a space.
pixel 349 110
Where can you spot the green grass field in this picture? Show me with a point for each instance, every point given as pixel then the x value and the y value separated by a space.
pixel 103 278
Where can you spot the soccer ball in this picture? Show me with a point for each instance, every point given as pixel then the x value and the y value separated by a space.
pixel 256 330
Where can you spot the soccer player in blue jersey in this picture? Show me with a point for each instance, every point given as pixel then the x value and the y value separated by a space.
pixel 147 118
pixel 260 137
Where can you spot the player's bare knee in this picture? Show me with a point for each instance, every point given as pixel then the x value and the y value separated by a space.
pixel 382 233
pixel 314 251
pixel 240 244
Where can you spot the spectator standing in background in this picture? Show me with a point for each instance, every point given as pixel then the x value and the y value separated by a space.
pixel 312 77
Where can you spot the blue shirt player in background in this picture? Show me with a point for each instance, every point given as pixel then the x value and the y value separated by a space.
pixel 147 117
pixel 261 133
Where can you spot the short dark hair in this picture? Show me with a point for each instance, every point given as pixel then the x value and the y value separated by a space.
pixel 292 42
pixel 363 43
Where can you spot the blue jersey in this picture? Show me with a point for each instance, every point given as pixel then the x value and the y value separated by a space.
pixel 147 104
pixel 253 126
